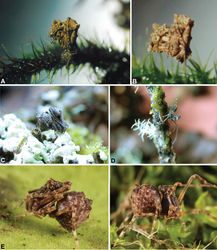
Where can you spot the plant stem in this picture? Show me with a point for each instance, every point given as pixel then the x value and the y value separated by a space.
pixel 160 110
pixel 114 64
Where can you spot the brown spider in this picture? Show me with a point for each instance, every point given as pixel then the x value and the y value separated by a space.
pixel 146 200
pixel 70 209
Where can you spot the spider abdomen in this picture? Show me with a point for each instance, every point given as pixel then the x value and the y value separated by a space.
pixel 73 210
pixel 145 199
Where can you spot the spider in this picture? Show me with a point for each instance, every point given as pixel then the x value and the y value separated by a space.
pixel 170 115
pixel 51 118
pixel 173 118
pixel 70 209
pixel 146 200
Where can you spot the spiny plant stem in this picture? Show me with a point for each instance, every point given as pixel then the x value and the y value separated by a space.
pixel 160 110
pixel 114 64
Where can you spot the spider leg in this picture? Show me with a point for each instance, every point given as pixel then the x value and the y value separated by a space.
pixel 167 118
pixel 58 196
pixel 76 239
pixel 29 214
pixel 32 191
pixel 125 229
pixel 183 223
pixel 186 186
pixel 198 211
pixel 62 189
pixel 125 220
pixel 177 130
pixel 21 203
pixel 45 201
pixel 50 207
pixel 141 231
pixel 154 222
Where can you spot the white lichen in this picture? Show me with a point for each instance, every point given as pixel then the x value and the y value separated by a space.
pixel 103 156
pixel 145 128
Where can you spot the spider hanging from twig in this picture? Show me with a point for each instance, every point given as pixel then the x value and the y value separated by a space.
pixel 146 200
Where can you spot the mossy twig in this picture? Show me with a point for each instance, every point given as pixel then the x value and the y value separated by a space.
pixel 109 64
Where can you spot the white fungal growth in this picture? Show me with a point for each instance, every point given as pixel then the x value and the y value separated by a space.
pixel 145 128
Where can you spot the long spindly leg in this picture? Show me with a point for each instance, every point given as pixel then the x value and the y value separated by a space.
pixel 188 184
pixel 76 239
pixel 177 130
pixel 154 222
pixel 198 211
pixel 183 223
pixel 125 220
pixel 125 229
pixel 29 214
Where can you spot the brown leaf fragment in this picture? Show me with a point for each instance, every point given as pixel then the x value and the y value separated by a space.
pixel 174 40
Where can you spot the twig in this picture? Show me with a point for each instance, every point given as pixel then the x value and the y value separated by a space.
pixel 106 62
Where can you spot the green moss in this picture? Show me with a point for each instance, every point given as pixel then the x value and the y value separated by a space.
pixel 158 102
pixel 167 140
pixel 32 233
pixel 153 70
pixel 162 134
pixel 90 143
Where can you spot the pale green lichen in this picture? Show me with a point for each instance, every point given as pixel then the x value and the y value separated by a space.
pixel 145 128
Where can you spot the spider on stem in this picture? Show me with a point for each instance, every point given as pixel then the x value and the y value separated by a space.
pixel 146 200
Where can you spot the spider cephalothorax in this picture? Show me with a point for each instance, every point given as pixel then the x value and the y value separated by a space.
pixel 170 204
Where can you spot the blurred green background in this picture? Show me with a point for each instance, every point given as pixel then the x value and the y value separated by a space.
pixel 33 233
pixel 201 229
